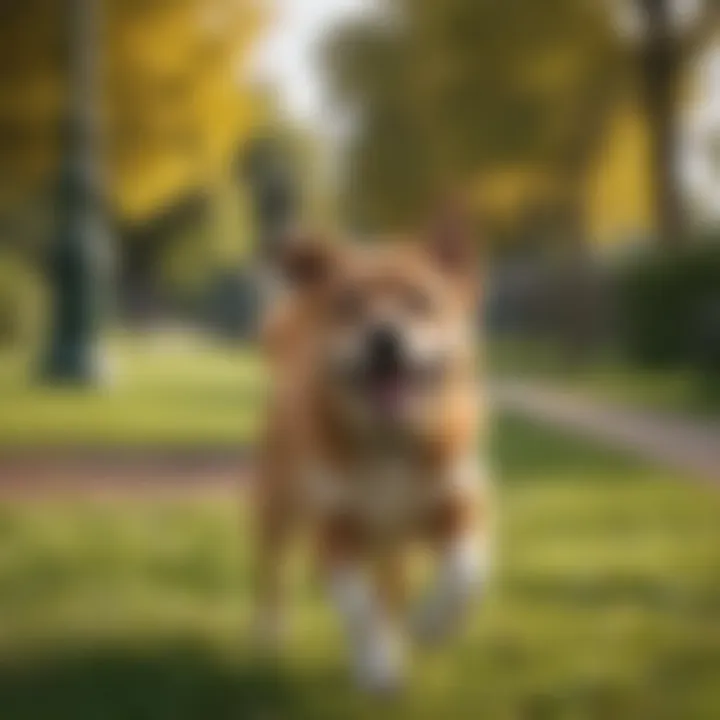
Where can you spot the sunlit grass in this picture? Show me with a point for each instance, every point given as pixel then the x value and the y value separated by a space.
pixel 606 605
pixel 171 393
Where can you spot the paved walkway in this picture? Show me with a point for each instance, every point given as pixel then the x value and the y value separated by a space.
pixel 684 444
pixel 114 474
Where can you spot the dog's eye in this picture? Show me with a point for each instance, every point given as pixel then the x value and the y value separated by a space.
pixel 418 301
pixel 348 305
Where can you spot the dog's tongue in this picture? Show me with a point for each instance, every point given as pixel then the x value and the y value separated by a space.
pixel 388 394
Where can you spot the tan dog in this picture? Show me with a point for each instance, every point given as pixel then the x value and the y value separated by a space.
pixel 373 437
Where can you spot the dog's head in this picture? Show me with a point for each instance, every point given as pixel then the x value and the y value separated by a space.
pixel 393 322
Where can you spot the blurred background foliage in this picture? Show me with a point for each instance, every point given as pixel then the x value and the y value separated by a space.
pixel 567 123
pixel 178 110
pixel 176 104
pixel 562 116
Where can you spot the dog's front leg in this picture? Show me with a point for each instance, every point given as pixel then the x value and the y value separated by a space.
pixel 367 617
pixel 273 532
pixel 462 563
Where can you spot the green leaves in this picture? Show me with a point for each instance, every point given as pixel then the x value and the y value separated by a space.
pixel 459 89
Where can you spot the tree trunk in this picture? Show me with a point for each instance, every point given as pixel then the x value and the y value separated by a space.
pixel 661 66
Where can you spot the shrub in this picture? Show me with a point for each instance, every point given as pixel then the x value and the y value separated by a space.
pixel 669 307
pixel 20 301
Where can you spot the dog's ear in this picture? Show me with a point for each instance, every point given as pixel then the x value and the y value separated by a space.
pixel 451 237
pixel 306 261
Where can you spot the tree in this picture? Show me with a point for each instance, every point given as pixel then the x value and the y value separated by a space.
pixel 174 101
pixel 387 164
pixel 667 43
pixel 173 105
pixel 463 89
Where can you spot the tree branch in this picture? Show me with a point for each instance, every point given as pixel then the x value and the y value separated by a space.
pixel 704 29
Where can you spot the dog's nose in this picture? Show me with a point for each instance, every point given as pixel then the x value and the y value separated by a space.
pixel 384 348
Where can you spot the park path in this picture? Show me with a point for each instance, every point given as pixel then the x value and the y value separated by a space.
pixel 115 474
pixel 685 444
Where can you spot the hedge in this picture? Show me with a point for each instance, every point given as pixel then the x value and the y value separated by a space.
pixel 668 306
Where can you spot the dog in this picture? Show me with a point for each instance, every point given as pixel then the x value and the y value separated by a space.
pixel 375 438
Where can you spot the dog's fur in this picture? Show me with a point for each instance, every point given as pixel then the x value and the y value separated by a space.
pixel 375 463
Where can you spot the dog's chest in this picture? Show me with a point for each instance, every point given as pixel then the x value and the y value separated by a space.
pixel 388 490
pixel 386 493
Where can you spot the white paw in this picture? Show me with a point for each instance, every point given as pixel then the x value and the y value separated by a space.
pixel 375 649
pixel 458 584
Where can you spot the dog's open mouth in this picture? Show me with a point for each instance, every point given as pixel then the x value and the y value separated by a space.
pixel 391 390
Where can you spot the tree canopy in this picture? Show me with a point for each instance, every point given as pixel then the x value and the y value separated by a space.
pixel 176 102
pixel 515 100
pixel 466 87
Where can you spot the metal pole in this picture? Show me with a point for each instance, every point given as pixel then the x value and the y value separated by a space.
pixel 79 258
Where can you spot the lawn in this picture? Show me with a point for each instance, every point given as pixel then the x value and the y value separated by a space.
pixel 609 378
pixel 607 605
pixel 173 391
pixel 181 392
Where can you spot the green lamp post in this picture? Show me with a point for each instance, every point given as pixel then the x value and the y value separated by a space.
pixel 78 263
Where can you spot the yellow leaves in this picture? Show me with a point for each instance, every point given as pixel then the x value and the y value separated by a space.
pixel 194 56
pixel 503 193
pixel 619 187
pixel 553 71
pixel 144 187
pixel 617 191
pixel 177 103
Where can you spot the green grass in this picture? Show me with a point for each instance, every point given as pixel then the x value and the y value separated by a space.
pixel 606 605
pixel 177 393
pixel 608 378
pixel 188 394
